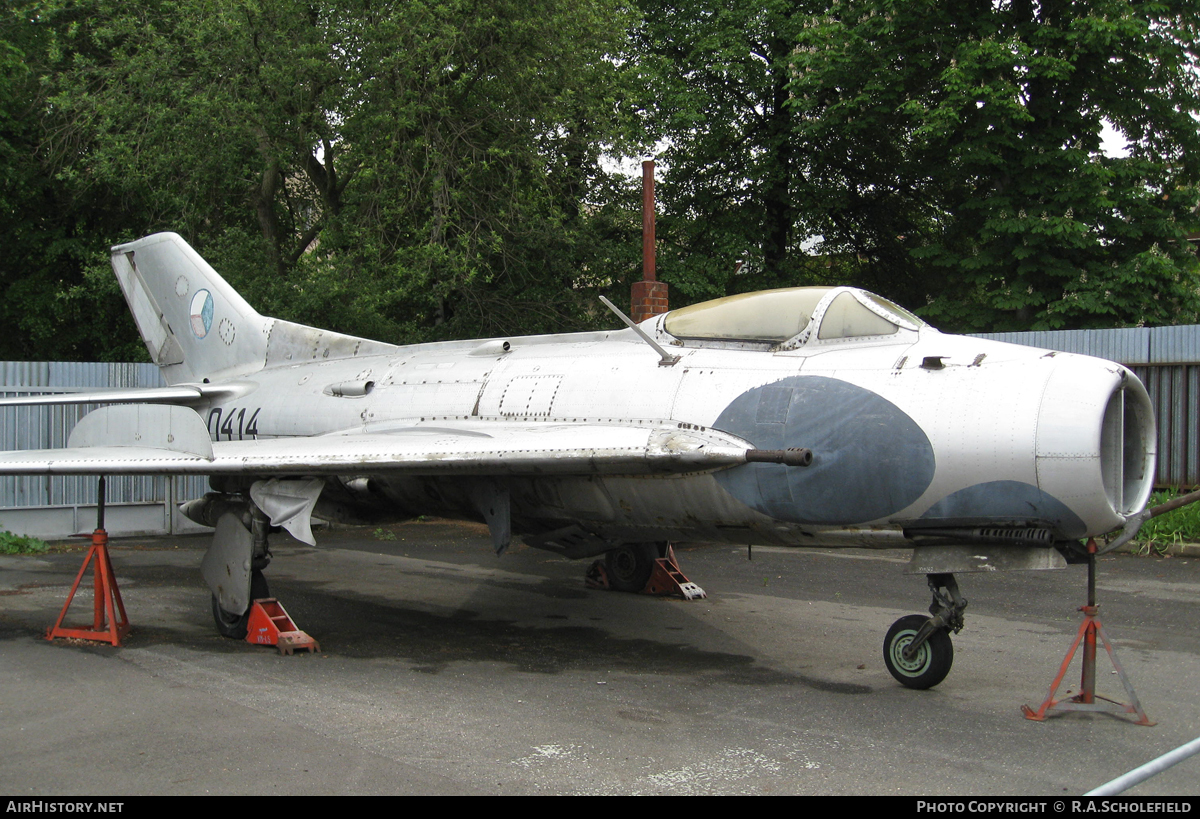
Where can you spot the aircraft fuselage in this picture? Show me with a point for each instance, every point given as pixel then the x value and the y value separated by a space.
pixel 913 431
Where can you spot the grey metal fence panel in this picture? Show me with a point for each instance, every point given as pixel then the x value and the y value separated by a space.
pixel 1132 345
pixel 1175 393
pixel 1175 345
pixel 1192 468
pixel 1128 346
pixel 49 427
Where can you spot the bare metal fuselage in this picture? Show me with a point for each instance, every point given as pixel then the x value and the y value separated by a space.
pixel 990 418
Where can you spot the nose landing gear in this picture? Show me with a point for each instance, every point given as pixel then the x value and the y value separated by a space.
pixel 917 649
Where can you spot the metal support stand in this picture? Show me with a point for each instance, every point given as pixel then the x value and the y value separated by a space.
pixel 1086 699
pixel 109 621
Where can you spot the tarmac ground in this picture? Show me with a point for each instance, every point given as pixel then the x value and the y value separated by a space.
pixel 447 670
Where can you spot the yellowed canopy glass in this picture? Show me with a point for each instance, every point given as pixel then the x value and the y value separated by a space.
pixel 846 317
pixel 768 315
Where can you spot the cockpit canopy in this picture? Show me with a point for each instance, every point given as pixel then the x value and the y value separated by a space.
pixel 779 316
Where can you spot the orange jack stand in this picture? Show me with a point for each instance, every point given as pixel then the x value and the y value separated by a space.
pixel 1086 699
pixel 269 625
pixel 107 606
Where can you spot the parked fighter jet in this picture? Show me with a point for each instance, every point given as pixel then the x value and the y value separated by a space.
pixel 813 416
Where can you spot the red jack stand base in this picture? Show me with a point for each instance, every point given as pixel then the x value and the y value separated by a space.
pixel 1086 699
pixel 269 625
pixel 109 621
pixel 665 579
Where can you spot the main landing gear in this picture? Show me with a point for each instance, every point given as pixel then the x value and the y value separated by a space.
pixel 233 566
pixel 629 566
pixel 642 568
pixel 917 650
pixel 231 624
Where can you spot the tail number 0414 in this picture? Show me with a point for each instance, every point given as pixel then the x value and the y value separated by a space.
pixel 232 424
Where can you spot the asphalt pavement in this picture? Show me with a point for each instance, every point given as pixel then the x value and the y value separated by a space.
pixel 447 670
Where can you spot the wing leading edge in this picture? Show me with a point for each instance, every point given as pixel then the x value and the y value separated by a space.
pixel 151 439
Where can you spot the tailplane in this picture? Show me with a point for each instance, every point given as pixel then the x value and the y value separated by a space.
pixel 194 323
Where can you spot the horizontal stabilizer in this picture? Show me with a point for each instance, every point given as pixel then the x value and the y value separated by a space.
pixel 153 426
pixel 157 395
pixel 182 394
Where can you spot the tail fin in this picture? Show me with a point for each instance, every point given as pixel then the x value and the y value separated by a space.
pixel 195 325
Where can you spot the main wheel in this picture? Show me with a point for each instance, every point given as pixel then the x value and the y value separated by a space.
pixel 233 625
pixel 629 567
pixel 932 662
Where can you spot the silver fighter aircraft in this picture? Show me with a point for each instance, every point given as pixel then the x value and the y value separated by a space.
pixel 813 416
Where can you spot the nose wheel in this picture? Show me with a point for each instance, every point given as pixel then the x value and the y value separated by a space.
pixel 917 650
pixel 927 664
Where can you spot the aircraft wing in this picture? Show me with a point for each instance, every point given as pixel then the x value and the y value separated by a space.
pixel 159 439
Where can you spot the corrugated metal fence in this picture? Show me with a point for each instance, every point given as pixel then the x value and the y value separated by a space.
pixel 63 505
pixel 1167 359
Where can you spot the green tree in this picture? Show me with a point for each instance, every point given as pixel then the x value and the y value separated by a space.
pixel 58 301
pixel 717 77
pixel 405 171
pixel 483 124
pixel 969 135
pixel 945 155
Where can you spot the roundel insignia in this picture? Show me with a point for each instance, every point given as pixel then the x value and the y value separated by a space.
pixel 202 313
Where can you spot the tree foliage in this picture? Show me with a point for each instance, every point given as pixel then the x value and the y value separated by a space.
pixel 989 116
pixel 435 168
pixel 57 301
pixel 717 78
pixel 406 171
pixel 947 155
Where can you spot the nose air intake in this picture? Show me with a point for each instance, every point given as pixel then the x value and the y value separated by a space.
pixel 1127 447
pixel 1096 442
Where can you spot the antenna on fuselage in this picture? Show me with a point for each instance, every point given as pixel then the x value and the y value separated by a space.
pixel 668 360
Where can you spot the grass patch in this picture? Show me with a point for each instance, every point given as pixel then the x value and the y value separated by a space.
pixel 1181 525
pixel 11 544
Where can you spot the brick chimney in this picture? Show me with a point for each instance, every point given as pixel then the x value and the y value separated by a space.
pixel 649 296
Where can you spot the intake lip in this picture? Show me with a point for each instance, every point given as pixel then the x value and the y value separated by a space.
pixel 1128 447
pixel 1095 445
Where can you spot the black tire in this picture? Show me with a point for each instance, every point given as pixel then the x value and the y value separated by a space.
pixel 233 625
pixel 933 660
pixel 630 566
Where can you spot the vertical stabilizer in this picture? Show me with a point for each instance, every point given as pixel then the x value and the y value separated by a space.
pixel 195 325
